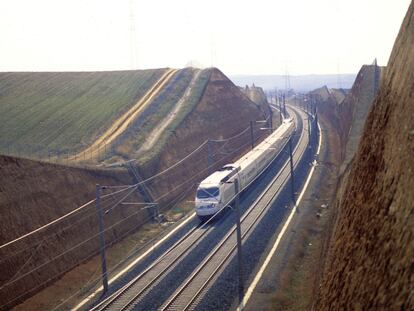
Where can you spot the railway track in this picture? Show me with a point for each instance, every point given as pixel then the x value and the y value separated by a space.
pixel 190 293
pixel 133 292
pixel 187 296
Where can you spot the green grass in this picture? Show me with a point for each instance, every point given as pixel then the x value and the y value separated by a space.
pixel 64 111
pixel 193 100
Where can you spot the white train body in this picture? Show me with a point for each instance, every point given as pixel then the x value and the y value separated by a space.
pixel 215 192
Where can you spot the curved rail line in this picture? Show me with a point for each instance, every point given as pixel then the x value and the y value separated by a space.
pixel 188 295
pixel 136 290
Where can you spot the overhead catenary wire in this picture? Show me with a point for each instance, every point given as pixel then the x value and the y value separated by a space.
pixel 93 212
pixel 183 159
pixel 199 173
pixel 92 255
pixel 267 166
pixel 93 200
pixel 132 251
pixel 71 249
pixel 177 187
pixel 243 188
pixel 222 208
pixel 83 242
pixel 231 138
pixel 56 233
pixel 132 215
pixel 111 194
pixel 57 220
pixel 131 186
pixel 27 261
pixel 44 240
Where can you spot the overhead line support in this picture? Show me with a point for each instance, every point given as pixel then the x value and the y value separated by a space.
pixel 101 238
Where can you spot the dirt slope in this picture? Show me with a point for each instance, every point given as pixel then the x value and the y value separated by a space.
pixel 354 109
pixel 327 105
pixel 31 195
pixel 148 133
pixel 372 250
pixel 347 111
pixel 256 95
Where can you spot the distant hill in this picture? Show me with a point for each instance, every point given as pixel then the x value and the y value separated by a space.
pixel 302 83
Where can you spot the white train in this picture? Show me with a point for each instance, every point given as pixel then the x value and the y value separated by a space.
pixel 215 192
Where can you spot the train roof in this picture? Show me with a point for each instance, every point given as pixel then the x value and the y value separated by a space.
pixel 219 176
pixel 229 170
pixel 270 140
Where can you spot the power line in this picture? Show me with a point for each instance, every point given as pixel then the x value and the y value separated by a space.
pixel 57 220
pixel 127 187
pixel 111 195
pixel 114 241
pixel 112 207
pixel 114 204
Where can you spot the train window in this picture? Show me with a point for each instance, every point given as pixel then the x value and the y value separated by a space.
pixel 226 168
pixel 204 193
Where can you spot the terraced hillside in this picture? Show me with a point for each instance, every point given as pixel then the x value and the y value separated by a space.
pixel 43 112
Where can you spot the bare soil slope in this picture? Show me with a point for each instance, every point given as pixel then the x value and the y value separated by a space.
pixel 32 194
pixel 347 111
pixel 372 250
pixel 354 109
pixel 256 95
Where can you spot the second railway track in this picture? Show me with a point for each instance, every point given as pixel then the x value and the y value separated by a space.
pixel 190 292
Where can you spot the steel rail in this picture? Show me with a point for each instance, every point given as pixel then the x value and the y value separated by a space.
pixel 114 298
pixel 211 274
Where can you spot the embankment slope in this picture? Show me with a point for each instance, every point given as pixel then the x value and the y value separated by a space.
pixel 371 258
pixel 346 112
pixel 32 194
pixel 43 112
pixel 256 95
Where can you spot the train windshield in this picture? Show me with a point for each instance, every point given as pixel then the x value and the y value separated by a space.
pixel 204 193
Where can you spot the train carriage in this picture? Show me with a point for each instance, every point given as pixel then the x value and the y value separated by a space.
pixel 217 190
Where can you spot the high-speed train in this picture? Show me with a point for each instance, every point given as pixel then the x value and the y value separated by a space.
pixel 216 191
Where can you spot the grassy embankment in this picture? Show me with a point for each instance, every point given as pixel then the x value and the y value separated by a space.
pixel 64 112
pixel 136 135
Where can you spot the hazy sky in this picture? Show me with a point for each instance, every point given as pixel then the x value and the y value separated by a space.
pixel 237 36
